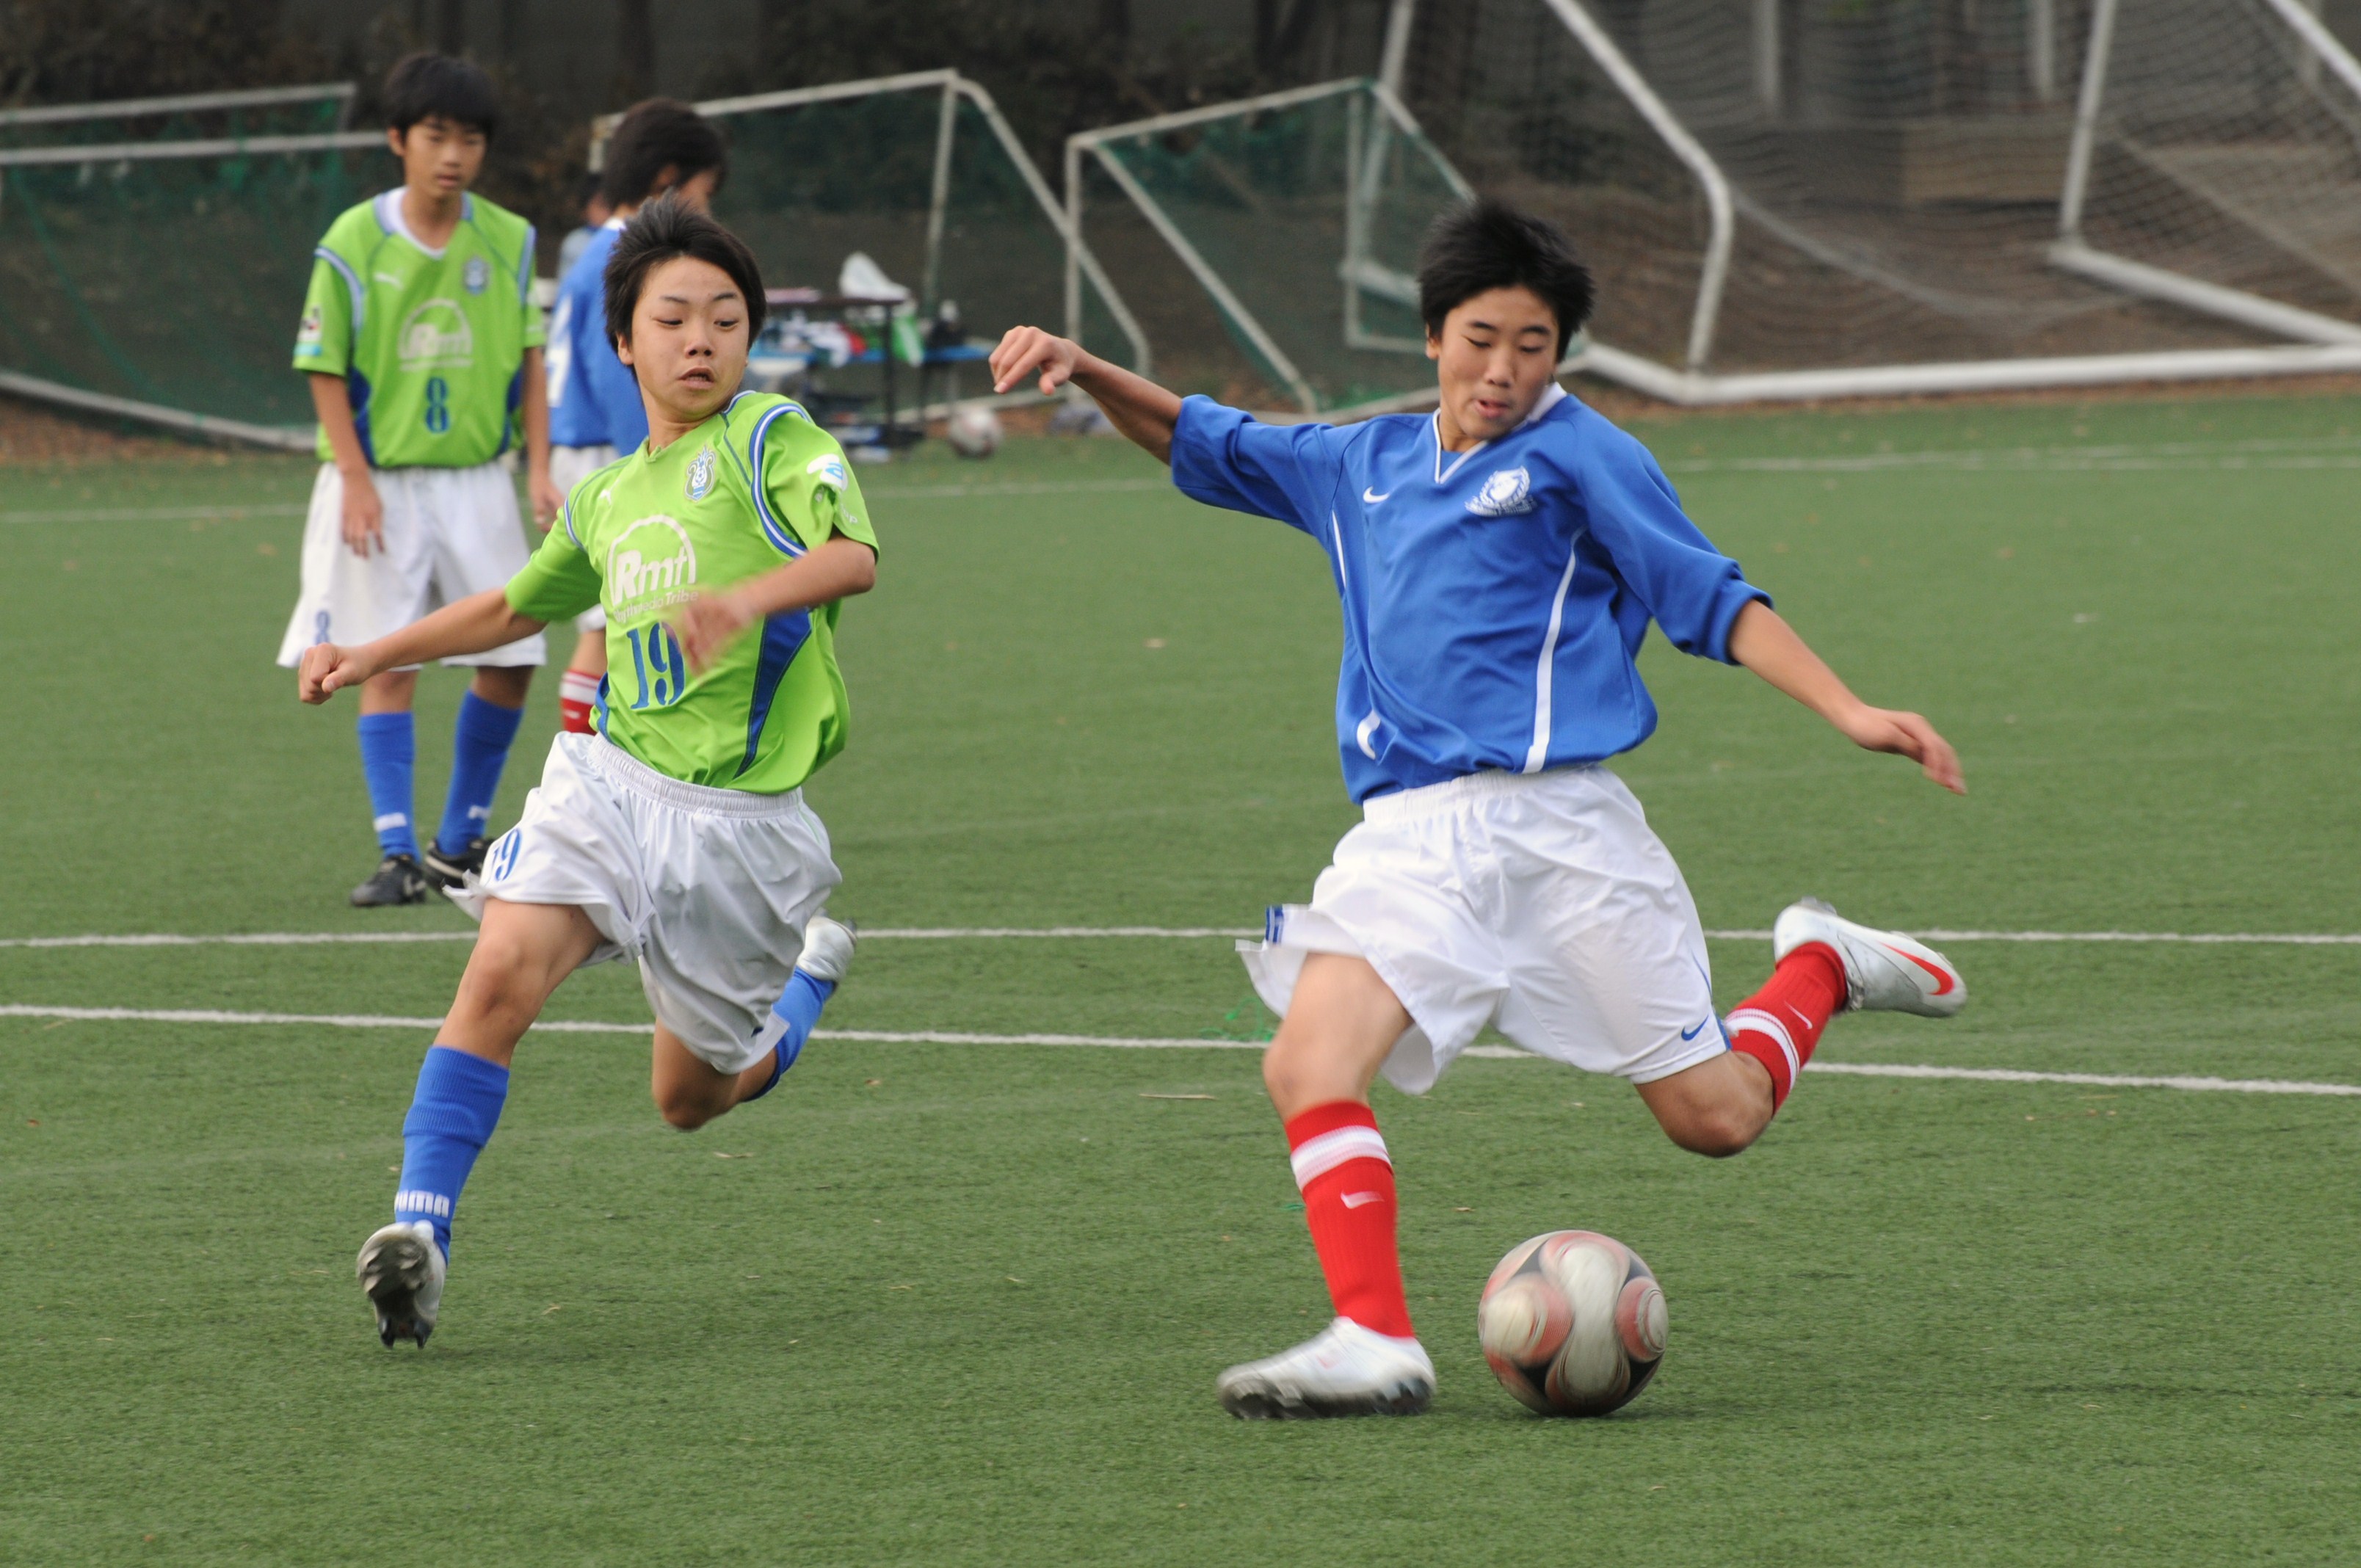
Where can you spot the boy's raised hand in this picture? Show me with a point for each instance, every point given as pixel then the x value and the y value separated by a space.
pixel 1025 350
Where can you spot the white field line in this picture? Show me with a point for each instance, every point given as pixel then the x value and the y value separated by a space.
pixel 1122 1042
pixel 1096 933
pixel 2324 453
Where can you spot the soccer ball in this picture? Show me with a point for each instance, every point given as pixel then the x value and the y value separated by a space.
pixel 1573 1323
pixel 973 432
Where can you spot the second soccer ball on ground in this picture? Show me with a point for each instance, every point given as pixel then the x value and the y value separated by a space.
pixel 1573 1323
pixel 973 432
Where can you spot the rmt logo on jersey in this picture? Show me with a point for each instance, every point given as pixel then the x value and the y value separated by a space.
pixel 653 564
pixel 436 334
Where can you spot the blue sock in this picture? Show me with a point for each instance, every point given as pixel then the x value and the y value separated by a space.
pixel 479 749
pixel 451 1118
pixel 389 757
pixel 795 1014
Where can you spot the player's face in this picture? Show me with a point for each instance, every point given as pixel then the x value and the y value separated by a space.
pixel 1496 352
pixel 440 158
pixel 688 340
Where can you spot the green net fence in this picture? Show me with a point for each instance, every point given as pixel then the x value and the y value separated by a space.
pixel 1298 218
pixel 170 280
pixel 280 110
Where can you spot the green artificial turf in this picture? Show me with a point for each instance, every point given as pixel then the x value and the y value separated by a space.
pixel 964 1303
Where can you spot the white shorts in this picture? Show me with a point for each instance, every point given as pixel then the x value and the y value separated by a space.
pixel 1539 902
pixel 568 466
pixel 449 533
pixel 708 889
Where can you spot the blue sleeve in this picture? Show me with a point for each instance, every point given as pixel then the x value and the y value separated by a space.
pixel 1691 589
pixel 612 386
pixel 1225 458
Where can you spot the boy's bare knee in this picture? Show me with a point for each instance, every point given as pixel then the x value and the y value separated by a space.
pixel 686 1111
pixel 1716 1133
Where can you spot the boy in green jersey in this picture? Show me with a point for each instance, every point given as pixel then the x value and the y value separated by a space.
pixel 423 345
pixel 679 834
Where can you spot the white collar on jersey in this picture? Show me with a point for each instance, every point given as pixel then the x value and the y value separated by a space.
pixel 389 219
pixel 1551 395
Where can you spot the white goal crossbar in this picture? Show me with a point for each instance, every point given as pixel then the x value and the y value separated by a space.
pixel 954 87
pixel 341 93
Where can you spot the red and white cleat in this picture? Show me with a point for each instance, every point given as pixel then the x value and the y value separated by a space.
pixel 1885 971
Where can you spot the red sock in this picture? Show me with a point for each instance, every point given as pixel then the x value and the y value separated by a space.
pixel 577 695
pixel 1348 1199
pixel 1780 1024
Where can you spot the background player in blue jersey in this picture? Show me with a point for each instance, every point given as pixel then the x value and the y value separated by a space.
pixel 1499 563
pixel 660 147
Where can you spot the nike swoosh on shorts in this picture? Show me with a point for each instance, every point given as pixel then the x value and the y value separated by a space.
pixel 1372 497
pixel 1692 1034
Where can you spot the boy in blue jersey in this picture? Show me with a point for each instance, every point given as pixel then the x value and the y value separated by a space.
pixel 660 147
pixel 1499 563
pixel 422 346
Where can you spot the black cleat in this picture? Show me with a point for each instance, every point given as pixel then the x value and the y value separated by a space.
pixel 449 872
pixel 398 880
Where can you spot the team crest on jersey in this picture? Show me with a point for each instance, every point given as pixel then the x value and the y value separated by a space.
pixel 477 274
pixel 700 474
pixel 829 469
pixel 309 331
pixel 651 566
pixel 435 334
pixel 1507 492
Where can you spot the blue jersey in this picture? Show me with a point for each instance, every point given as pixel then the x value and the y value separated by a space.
pixel 1494 600
pixel 594 400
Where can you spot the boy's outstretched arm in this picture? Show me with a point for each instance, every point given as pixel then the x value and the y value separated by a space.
pixel 1763 641
pixel 1136 406
pixel 477 624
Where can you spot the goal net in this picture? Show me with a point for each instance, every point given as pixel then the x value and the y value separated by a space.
pixel 1272 242
pixel 1790 198
pixel 921 174
pixel 160 280
pixel 310 110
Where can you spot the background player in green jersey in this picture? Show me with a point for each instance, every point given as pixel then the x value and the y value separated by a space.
pixel 424 348
pixel 678 836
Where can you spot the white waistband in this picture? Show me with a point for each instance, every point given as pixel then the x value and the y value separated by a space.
pixel 618 766
pixel 1427 799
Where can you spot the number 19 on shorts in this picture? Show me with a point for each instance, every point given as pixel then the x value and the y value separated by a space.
pixel 657 666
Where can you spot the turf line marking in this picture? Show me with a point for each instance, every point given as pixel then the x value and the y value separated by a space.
pixel 1038 487
pixel 1126 1042
pixel 2108 1081
pixel 1173 933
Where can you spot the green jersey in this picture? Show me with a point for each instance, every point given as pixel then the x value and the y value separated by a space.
pixel 431 343
pixel 754 486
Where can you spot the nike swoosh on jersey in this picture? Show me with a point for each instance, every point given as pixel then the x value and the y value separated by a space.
pixel 1371 496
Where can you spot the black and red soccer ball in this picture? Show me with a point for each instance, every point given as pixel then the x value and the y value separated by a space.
pixel 1572 1323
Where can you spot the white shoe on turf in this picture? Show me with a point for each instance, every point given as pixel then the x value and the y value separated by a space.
pixel 401 1270
pixel 1345 1370
pixel 827 948
pixel 1885 971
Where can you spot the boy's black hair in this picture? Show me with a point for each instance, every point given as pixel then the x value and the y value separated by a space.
pixel 664 229
pixel 436 86
pixel 655 134
pixel 1488 244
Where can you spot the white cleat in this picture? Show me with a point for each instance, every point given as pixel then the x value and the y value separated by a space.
pixel 827 948
pixel 1346 1370
pixel 1885 971
pixel 401 1270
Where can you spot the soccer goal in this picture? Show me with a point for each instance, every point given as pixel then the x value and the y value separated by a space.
pixel 315 109
pixel 923 174
pixel 1792 201
pixel 159 280
pixel 1299 214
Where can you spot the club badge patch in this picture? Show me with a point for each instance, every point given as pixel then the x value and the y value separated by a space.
pixel 700 474
pixel 1507 493
pixel 829 469
pixel 477 274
